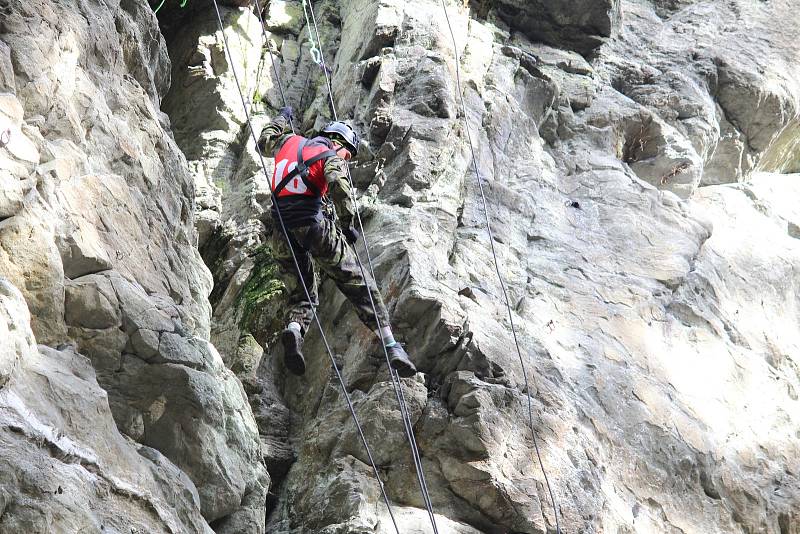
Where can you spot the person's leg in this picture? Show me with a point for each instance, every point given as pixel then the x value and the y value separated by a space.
pixel 338 261
pixel 300 307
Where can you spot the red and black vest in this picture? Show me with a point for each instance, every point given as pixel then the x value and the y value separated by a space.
pixel 300 169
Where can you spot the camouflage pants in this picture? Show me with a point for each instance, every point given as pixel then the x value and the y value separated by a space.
pixel 324 244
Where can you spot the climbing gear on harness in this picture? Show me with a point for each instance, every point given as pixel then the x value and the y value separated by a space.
pixel 340 130
pixel 293 358
pixel 400 361
pixel 351 235
pixel 287 113
pixel 297 176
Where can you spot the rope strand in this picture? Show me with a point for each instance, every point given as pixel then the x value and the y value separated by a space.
pixel 302 280
pixel 397 385
pixel 497 269
pixel 272 58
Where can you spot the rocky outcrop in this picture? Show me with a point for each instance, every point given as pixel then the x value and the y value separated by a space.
pixel 64 467
pixel 600 150
pixel 98 234
pixel 727 112
pixel 582 26
pixel 204 106
pixel 637 159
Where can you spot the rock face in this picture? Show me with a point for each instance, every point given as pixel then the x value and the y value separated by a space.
pixel 714 106
pixel 602 152
pixel 637 158
pixel 98 235
pixel 577 25
pixel 65 467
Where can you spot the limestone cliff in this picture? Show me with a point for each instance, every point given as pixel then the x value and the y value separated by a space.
pixel 638 158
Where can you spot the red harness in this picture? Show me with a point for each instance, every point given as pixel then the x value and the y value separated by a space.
pixel 300 169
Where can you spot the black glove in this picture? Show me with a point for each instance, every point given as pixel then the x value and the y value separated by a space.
pixel 351 235
pixel 287 113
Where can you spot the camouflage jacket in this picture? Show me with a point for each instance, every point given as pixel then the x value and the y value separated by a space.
pixel 272 138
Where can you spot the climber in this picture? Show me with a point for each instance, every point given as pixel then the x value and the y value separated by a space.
pixel 306 171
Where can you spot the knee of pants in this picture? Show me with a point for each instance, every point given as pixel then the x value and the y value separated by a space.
pixel 325 243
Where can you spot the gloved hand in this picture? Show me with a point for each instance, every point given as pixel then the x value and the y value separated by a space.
pixel 351 235
pixel 287 113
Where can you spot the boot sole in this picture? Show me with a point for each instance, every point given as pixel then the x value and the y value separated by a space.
pixel 292 357
pixel 404 368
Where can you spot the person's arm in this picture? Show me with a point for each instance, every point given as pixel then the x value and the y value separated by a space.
pixel 340 191
pixel 274 134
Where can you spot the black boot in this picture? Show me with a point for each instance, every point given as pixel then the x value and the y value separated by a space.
pixel 400 361
pixel 293 351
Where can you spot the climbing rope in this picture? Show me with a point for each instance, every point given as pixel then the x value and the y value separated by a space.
pixel 315 51
pixel 408 426
pixel 497 268
pixel 302 280
pixel 272 58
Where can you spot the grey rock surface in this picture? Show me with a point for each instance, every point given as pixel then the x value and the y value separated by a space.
pixel 204 106
pixel 64 467
pixel 581 25
pixel 610 146
pixel 98 234
pixel 637 158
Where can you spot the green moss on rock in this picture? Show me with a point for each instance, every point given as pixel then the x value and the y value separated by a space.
pixel 262 299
